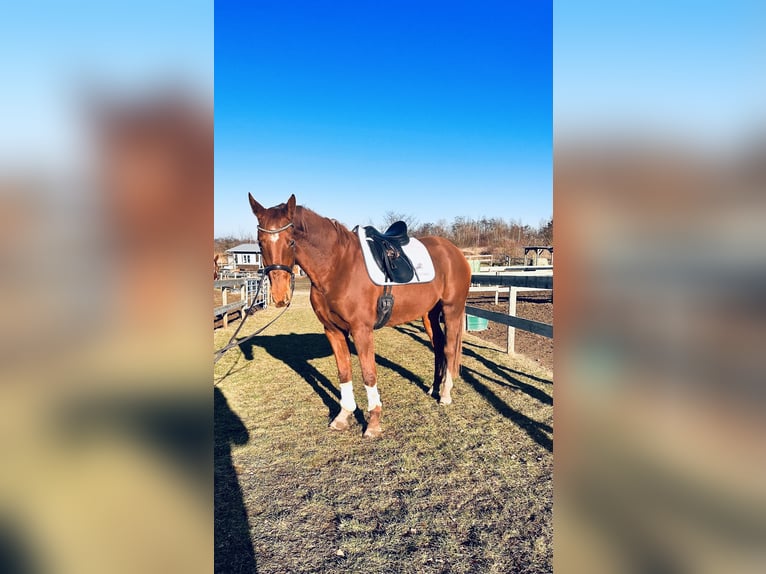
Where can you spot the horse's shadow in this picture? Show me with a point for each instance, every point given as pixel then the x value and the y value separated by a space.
pixel 505 374
pixel 536 430
pixel 297 350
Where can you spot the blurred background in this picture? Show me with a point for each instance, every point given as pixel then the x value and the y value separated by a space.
pixel 106 187
pixel 659 201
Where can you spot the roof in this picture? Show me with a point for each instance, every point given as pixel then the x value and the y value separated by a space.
pixel 245 248
pixel 531 247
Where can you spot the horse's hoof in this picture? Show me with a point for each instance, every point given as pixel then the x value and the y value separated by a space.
pixel 340 422
pixel 445 400
pixel 373 425
pixel 339 425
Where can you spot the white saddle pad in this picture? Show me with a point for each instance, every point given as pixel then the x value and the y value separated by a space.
pixel 415 250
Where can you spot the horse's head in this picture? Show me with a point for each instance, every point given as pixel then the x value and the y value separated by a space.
pixel 275 236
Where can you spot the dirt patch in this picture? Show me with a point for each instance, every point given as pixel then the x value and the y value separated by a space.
pixel 534 305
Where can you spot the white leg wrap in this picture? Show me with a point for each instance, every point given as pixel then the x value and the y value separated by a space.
pixel 373 397
pixel 347 396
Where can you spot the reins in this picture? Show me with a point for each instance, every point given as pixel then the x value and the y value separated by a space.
pixel 251 309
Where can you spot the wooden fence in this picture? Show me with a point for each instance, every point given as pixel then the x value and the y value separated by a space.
pixel 514 283
pixel 247 287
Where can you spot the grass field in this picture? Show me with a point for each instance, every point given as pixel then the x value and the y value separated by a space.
pixel 464 488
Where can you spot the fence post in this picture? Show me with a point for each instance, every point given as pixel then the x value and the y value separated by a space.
pixel 225 301
pixel 511 346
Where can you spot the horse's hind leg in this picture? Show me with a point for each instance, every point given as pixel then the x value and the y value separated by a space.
pixel 437 339
pixel 453 348
pixel 429 329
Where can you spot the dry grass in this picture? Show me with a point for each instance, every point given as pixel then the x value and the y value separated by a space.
pixel 464 488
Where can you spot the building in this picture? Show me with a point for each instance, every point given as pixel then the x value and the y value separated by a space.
pixel 537 259
pixel 245 257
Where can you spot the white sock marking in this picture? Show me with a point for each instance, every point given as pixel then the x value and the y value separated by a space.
pixel 373 397
pixel 347 396
pixel 448 384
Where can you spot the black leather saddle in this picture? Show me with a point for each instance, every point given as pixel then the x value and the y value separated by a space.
pixel 387 251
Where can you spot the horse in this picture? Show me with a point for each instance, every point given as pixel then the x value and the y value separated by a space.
pixel 344 298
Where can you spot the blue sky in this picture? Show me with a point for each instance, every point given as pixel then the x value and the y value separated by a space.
pixel 683 68
pixel 432 109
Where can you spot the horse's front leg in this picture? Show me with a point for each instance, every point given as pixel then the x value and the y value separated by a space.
pixel 365 349
pixel 342 354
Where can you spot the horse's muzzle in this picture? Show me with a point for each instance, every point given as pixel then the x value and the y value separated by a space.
pixel 281 285
pixel 281 294
pixel 284 301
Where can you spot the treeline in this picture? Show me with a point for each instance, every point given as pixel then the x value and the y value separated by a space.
pixel 503 239
pixel 221 244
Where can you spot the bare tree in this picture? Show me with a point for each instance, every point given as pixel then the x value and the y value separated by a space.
pixel 546 232
pixel 392 217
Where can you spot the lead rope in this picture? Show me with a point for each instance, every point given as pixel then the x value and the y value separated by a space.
pixel 249 311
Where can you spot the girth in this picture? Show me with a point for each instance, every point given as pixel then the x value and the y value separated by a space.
pixel 385 307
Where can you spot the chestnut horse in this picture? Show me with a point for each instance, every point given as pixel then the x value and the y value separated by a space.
pixel 345 299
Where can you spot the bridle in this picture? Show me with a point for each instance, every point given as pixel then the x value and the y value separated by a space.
pixel 233 342
pixel 269 268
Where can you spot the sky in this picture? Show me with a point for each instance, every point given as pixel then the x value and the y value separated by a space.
pixel 430 109
pixel 683 68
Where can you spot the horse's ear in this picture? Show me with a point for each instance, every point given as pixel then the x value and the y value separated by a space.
pixel 291 207
pixel 256 207
pixel 215 259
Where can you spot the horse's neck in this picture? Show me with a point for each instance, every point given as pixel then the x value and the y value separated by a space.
pixel 319 244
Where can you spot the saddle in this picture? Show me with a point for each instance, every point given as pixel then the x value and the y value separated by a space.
pixel 387 251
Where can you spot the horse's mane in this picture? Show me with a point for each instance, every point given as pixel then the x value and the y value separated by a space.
pixel 311 223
